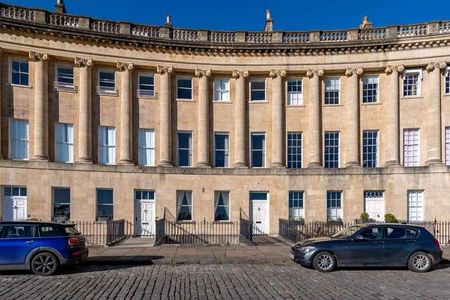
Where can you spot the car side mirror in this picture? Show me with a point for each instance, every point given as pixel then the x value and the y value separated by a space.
pixel 358 238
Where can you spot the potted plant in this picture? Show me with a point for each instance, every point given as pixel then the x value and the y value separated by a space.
pixel 390 218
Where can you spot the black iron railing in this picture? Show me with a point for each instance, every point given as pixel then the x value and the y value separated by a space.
pixel 104 233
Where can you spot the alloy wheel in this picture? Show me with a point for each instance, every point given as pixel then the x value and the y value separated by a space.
pixel 325 262
pixel 421 262
pixel 44 264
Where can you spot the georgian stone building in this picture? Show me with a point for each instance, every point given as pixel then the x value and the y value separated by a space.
pixel 115 120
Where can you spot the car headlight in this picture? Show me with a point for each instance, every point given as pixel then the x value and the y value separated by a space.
pixel 306 249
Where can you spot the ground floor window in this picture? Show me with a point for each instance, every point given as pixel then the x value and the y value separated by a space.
pixel 222 206
pixel 415 206
pixel 105 204
pixel 296 211
pixel 61 204
pixel 334 206
pixel 184 205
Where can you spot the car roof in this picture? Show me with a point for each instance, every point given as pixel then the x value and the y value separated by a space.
pixel 35 223
pixel 392 224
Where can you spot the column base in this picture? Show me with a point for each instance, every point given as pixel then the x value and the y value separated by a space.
pixel 203 165
pixel 352 164
pixel 314 165
pixel 434 162
pixel 85 161
pixel 165 164
pixel 125 162
pixel 40 158
pixel 392 163
pixel 240 165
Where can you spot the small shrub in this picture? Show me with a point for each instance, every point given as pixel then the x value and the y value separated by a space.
pixel 337 221
pixel 364 217
pixel 390 218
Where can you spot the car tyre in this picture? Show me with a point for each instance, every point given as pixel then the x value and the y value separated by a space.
pixel 44 264
pixel 420 262
pixel 324 261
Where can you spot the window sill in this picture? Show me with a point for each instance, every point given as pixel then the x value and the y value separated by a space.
pixel 223 222
pixel 294 106
pixel 184 100
pixel 66 89
pixel 332 105
pixel 258 101
pixel 411 98
pixel 21 86
pixel 222 101
pixel 108 93
pixel 371 103
pixel 146 97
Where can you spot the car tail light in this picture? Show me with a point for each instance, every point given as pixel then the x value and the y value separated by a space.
pixel 436 242
pixel 73 241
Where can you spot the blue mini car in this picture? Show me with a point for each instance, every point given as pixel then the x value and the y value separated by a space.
pixel 41 247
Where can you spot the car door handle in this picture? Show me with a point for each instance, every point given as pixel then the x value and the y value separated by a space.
pixel 29 242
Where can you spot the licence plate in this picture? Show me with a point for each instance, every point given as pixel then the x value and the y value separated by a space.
pixel 292 256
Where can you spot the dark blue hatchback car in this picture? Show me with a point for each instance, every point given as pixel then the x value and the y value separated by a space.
pixel 41 247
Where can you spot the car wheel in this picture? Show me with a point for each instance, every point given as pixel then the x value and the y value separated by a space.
pixel 420 262
pixel 324 262
pixel 44 264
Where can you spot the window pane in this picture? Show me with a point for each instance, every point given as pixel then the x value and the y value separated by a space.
pixel 222 206
pixel 294 149
pixel 395 233
pixel 332 148
pixel 258 150
pixel 370 148
pixel 184 149
pixel 105 204
pixel 221 152
pixel 20 231
pixel 258 196
pixel 184 205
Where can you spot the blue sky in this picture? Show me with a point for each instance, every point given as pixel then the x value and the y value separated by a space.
pixel 249 14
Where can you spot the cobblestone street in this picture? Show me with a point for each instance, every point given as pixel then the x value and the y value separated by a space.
pixel 228 281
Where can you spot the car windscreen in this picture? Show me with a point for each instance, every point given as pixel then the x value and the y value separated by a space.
pixel 70 230
pixel 346 233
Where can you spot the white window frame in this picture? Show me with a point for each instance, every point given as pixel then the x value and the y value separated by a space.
pixel 227 150
pixel 339 211
pixel 365 81
pixel 263 150
pixel 219 91
pixel 179 206
pixel 108 146
pixel 59 85
pixel 106 91
pixel 377 162
pixel 184 77
pixel 413 163
pixel 301 210
pixel 146 94
pixel 414 215
pixel 299 94
pixel 151 148
pixel 447 81
pixel 265 89
pixel 20 59
pixel 447 145
pixel 330 80
pixel 339 147
pixel 11 143
pixel 191 149
pixel 66 145
pixel 419 82
pixel 216 193
pixel 301 148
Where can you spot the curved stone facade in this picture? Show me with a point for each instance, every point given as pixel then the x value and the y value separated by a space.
pixel 307 84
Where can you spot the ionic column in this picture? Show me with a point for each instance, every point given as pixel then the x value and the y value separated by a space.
pixel 126 100
pixel 277 118
pixel 40 105
pixel 393 116
pixel 352 116
pixel 313 136
pixel 434 155
pixel 165 128
pixel 203 118
pixel 240 120
pixel 84 110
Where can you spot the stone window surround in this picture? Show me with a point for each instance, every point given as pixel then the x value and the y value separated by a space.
pixel 338 146
pixel 301 147
pixel 263 150
pixel 256 79
pixel 149 74
pixel 377 162
pixel 11 120
pixel 331 79
pixel 63 87
pixel 419 71
pixel 293 78
pixel 215 87
pixel 184 77
pixel 101 91
pixel 10 62
pixel 378 90
pixel 227 151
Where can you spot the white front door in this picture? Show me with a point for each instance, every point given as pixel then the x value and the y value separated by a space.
pixel 14 203
pixel 145 218
pixel 374 205
pixel 259 212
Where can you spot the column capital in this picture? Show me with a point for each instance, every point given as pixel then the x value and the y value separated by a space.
pixel 277 73
pixel 435 65
pixel 125 66
pixel 36 56
pixel 311 73
pixel 236 74
pixel 390 69
pixel 200 73
pixel 164 69
pixel 83 62
pixel 350 72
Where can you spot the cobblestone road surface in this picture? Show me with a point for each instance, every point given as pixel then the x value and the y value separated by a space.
pixel 233 281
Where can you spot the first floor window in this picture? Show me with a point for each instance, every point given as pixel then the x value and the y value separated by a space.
pixel 64 143
pixel 146 147
pixel 184 88
pixel 222 206
pixel 294 148
pixel 447 81
pixel 447 146
pixel 105 204
pixel 332 149
pixel 295 92
pixel 19 139
pixel 415 206
pixel 19 72
pixel 332 87
pixel 370 148
pixel 334 206
pixel 411 147
pixel 257 90
pixel 184 205
pixel 296 211
pixel 106 145
pixel 221 90
pixel 412 82
pixel 64 76
pixel 61 204
pixel 370 89
pixel 258 151
pixel 107 81
pixel 221 150
pixel 184 149
pixel 146 85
